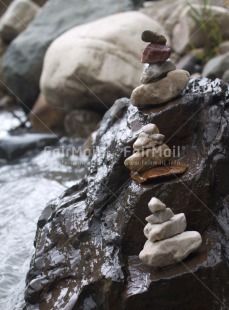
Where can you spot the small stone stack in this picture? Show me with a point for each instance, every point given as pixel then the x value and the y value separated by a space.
pixel 161 82
pixel 152 157
pixel 149 150
pixel 167 242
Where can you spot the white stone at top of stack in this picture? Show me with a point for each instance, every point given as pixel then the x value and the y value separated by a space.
pixel 156 205
pixel 167 242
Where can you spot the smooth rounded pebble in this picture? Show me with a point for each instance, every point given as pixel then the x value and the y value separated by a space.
pixel 161 91
pixel 153 37
pixel 156 205
pixel 150 128
pixel 145 140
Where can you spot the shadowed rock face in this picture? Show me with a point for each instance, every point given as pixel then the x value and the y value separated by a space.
pixel 88 240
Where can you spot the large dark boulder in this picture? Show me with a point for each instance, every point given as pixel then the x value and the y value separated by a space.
pixel 88 240
pixel 23 61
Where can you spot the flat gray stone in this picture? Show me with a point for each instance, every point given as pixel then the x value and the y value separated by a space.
pixel 170 251
pixel 160 216
pixel 156 71
pixel 176 225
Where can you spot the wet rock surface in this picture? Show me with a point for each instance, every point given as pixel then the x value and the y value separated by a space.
pixel 88 240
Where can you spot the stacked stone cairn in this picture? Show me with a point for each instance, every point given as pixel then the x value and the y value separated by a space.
pixel 161 82
pixel 167 243
pixel 152 158
pixel 149 150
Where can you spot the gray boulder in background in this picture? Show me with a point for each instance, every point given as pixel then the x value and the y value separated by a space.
pixel 17 17
pixel 92 65
pixel 23 61
pixel 216 66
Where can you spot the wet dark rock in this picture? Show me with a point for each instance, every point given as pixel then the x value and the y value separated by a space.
pixel 12 147
pixel 88 240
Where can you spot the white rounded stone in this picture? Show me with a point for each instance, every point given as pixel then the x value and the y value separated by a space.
pixel 160 216
pixel 156 205
pixel 176 225
pixel 150 128
pixel 160 91
pixel 171 250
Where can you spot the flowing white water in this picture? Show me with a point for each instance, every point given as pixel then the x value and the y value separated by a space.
pixel 26 186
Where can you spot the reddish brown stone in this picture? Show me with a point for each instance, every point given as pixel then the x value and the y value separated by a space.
pixel 159 172
pixel 154 53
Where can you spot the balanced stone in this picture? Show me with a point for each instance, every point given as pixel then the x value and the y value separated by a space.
pixel 160 216
pixel 154 53
pixel 145 140
pixel 146 159
pixel 176 225
pixel 150 128
pixel 142 140
pixel 153 37
pixel 171 250
pixel 159 138
pixel 156 205
pixel 154 72
pixel 160 91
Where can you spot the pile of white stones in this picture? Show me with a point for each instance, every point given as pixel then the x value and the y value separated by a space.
pixel 149 150
pixel 167 242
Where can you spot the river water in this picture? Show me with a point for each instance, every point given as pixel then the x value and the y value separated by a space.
pixel 26 186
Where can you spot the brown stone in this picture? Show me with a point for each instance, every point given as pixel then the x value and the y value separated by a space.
pixel 154 53
pixel 46 118
pixel 153 37
pixel 159 172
